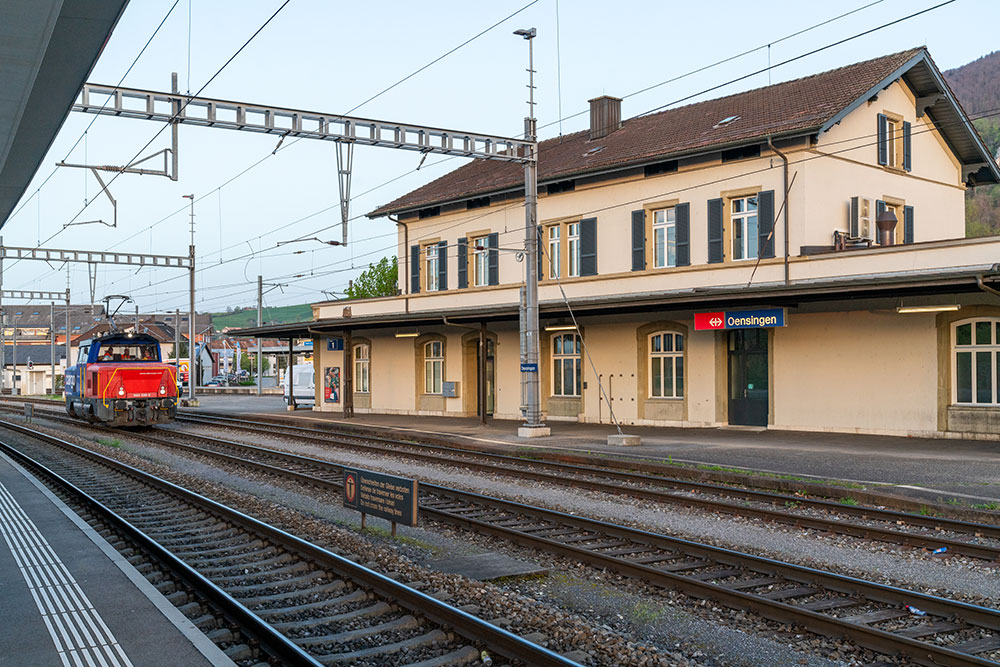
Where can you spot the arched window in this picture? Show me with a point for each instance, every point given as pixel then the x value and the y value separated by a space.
pixel 666 365
pixel 976 353
pixel 433 366
pixel 566 365
pixel 362 369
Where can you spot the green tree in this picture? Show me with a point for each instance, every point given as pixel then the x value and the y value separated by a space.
pixel 248 361
pixel 379 279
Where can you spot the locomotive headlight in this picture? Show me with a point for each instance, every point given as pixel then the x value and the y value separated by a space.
pixel 163 390
pixel 121 390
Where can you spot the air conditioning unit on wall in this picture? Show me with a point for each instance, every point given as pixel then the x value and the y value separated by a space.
pixel 861 220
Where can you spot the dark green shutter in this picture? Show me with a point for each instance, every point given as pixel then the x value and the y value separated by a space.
pixel 883 142
pixel 765 223
pixel 906 146
pixel 443 265
pixel 907 224
pixel 463 263
pixel 715 250
pixel 541 254
pixel 414 269
pixel 682 235
pixel 493 265
pixel 588 247
pixel 638 240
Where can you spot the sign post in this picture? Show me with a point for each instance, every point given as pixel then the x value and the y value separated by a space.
pixel 391 498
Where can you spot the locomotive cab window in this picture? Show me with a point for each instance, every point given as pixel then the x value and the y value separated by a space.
pixel 132 352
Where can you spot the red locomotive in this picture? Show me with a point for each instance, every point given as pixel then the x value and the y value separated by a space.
pixel 119 380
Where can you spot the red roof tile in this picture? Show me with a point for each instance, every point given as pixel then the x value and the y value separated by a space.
pixel 791 107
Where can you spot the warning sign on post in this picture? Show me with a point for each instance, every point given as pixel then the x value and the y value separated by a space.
pixel 384 496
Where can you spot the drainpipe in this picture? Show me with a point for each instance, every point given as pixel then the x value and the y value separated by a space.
pixel 481 379
pixel 986 288
pixel 406 260
pixel 784 160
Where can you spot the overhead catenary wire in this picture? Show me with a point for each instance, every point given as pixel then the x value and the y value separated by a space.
pixel 829 20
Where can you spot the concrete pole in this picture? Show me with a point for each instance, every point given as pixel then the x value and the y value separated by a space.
pixel 13 382
pixel 482 373
pixel 177 348
pixel 289 375
pixel 260 341
pixel 192 376
pixel 52 343
pixel 533 426
pixel 67 320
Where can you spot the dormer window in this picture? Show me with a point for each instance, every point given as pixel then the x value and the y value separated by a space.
pixel 725 121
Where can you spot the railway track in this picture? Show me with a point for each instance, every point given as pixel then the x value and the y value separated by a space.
pixel 876 616
pixel 958 537
pixel 305 605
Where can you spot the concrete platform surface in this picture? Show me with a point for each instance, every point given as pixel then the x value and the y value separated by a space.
pixel 68 598
pixel 927 468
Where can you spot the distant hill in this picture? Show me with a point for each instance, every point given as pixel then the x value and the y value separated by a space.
pixel 248 317
pixel 977 86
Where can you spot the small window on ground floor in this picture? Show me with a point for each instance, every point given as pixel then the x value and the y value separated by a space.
pixel 666 365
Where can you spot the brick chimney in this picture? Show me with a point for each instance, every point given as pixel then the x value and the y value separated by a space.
pixel 605 116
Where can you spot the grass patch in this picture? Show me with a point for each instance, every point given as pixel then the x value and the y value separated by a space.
pixel 986 506
pixel 847 500
pixel 644 612
pixel 782 476
pixel 109 442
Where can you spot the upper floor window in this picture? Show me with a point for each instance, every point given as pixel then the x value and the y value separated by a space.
pixel 743 218
pixel 894 149
pixel 666 365
pixel 481 266
pixel 362 369
pixel 573 247
pixel 433 257
pixel 433 366
pixel 975 348
pixel 554 251
pixel 664 238
pixel 566 378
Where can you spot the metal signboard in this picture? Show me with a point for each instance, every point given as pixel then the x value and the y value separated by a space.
pixel 335 344
pixel 385 496
pixel 449 389
pixel 760 318
pixel 529 368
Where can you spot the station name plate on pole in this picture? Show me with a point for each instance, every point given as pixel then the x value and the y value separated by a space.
pixel 384 496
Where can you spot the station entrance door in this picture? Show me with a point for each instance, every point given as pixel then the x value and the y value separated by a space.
pixel 490 373
pixel 748 377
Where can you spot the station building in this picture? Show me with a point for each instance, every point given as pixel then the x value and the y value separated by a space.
pixel 703 294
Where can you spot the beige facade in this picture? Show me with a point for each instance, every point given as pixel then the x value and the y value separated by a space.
pixel 849 358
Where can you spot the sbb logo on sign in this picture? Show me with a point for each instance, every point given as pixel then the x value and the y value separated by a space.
pixel 763 318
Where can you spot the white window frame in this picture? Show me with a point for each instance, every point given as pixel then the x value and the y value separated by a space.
pixel 560 359
pixel 661 357
pixel 433 367
pixel 992 348
pixel 740 220
pixel 480 262
pixel 362 369
pixel 573 249
pixel 433 257
pixel 664 223
pixel 553 236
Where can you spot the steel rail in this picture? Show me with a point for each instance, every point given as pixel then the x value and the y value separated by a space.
pixel 890 535
pixel 473 628
pixel 857 589
pixel 274 642
pixel 894 536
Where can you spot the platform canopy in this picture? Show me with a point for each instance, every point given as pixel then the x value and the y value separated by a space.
pixel 47 50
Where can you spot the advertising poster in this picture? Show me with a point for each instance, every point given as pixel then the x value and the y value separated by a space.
pixel 331 384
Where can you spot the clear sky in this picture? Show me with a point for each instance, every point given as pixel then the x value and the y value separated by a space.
pixel 332 56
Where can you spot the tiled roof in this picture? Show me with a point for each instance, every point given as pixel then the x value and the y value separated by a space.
pixel 792 107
